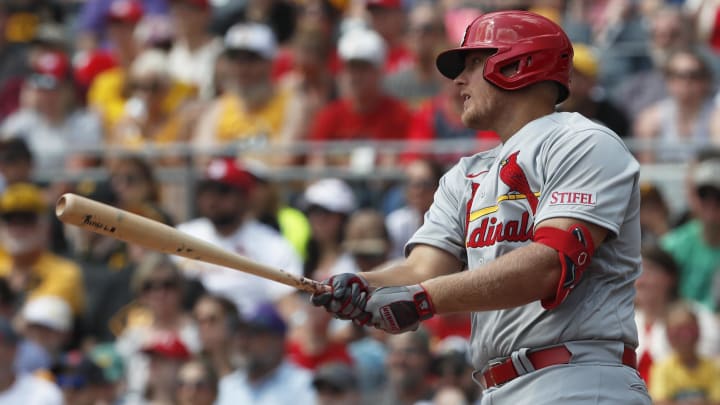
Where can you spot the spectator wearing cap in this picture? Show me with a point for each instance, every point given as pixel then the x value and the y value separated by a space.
pixel 364 112
pixel 418 82
pixel 388 18
pixel 222 205
pixel 195 49
pixel 21 388
pixel 335 384
pixel 156 317
pixel 586 95
pixel 695 246
pixel 25 259
pixel 267 377
pixel 167 353
pixel 197 384
pixel 16 162
pixel 82 380
pixel 328 204
pixel 252 109
pixel 148 119
pixel 46 321
pixel 50 119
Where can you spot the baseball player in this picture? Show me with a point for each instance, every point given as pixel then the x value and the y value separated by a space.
pixel 538 238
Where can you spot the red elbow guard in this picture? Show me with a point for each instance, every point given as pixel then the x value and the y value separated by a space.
pixel 575 249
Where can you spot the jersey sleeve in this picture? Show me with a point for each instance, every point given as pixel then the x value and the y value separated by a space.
pixel 589 176
pixel 444 224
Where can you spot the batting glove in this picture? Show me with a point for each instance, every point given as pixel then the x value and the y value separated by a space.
pixel 346 298
pixel 399 309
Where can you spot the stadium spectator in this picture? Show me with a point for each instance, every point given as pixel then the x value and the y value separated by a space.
pixel 695 245
pixel 680 122
pixel 657 290
pixel 107 92
pixel 328 204
pixel 365 112
pixel 336 383
pixel 420 81
pixel 388 18
pixel 454 372
pixel 588 98
pixel 156 314
pixel 309 344
pixel 655 215
pixel 218 322
pixel 194 51
pixel 16 162
pixel 267 378
pixel 147 120
pixel 82 381
pixel 155 32
pixel 367 239
pixel 422 177
pixel 167 353
pixel 686 377
pixel 408 370
pixel 47 321
pixel 222 204
pixel 49 119
pixel 135 188
pixel 252 110
pixel 21 388
pixel 25 259
pixel 197 384
pixel 670 29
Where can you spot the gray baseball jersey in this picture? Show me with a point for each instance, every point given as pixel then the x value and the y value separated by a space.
pixel 560 165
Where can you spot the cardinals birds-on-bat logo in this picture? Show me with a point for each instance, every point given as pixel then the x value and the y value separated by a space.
pixel 513 175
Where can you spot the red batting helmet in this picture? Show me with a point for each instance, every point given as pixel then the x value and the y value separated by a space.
pixel 539 46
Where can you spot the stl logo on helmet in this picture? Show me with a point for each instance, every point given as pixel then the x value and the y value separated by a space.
pixel 493 228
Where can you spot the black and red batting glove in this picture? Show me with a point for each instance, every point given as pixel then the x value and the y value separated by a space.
pixel 399 309
pixel 346 298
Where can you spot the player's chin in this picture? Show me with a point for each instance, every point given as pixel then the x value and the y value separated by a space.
pixel 472 119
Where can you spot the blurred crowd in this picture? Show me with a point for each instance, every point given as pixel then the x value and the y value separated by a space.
pixel 236 90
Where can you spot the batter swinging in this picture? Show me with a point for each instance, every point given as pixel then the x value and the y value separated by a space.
pixel 538 238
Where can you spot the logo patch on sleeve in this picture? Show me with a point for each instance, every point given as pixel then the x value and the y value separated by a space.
pixel 573 198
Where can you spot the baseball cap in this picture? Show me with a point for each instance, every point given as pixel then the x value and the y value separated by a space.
pixel 230 172
pixel 167 345
pixel 49 69
pixel 75 369
pixel 584 60
pixel 15 149
pixel 22 197
pixel 393 4
pixel 265 318
pixel 362 44
pixel 251 37
pixel 707 173
pixel 87 65
pixel 125 11
pixel 331 194
pixel 49 311
pixel 339 377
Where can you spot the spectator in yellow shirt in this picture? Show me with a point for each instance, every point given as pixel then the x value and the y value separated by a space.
pixel 251 109
pixel 30 268
pixel 686 377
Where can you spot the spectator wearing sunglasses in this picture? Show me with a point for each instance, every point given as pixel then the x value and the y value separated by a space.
pixel 681 121
pixel 695 246
pixel 157 311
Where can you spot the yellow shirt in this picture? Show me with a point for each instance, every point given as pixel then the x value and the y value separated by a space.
pixel 235 122
pixel 52 275
pixel 672 380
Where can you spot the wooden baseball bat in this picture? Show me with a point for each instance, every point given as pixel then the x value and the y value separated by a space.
pixel 123 225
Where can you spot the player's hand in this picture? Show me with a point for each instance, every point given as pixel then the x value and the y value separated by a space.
pixel 399 309
pixel 346 298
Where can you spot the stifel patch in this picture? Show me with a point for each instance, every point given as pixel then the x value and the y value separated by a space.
pixel 573 198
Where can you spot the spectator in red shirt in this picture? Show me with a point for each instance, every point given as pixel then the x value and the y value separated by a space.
pixel 388 18
pixel 364 112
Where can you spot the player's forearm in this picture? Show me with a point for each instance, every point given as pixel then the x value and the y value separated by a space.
pixel 424 263
pixel 522 276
